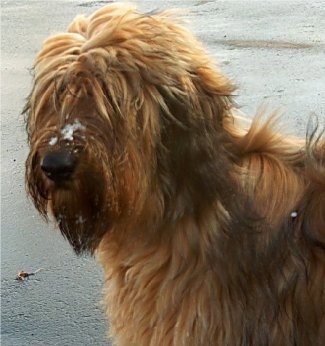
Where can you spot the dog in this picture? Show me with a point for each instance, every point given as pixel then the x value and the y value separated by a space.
pixel 210 230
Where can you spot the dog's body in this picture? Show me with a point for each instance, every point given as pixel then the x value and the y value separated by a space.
pixel 208 234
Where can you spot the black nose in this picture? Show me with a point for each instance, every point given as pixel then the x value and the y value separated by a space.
pixel 58 165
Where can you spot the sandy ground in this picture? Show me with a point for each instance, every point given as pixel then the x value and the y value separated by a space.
pixel 274 50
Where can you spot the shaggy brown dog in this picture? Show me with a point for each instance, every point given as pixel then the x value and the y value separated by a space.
pixel 209 234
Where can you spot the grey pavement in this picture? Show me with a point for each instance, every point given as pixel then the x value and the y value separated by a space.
pixel 273 50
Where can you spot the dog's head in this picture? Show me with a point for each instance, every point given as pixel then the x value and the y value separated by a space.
pixel 125 115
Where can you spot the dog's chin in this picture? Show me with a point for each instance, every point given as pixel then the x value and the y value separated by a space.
pixel 80 218
pixel 79 237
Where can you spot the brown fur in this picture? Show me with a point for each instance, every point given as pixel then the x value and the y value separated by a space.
pixel 209 234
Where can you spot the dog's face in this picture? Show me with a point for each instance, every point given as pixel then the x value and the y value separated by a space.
pixel 121 118
pixel 69 173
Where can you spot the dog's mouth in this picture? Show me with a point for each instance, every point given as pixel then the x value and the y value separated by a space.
pixel 74 187
pixel 74 197
pixel 78 210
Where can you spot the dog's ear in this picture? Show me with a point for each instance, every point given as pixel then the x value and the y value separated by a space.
pixel 193 151
pixel 199 98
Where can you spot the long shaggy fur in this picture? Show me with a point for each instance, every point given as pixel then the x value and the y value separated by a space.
pixel 209 233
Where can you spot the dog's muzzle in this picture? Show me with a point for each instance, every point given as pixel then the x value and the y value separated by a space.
pixel 58 166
